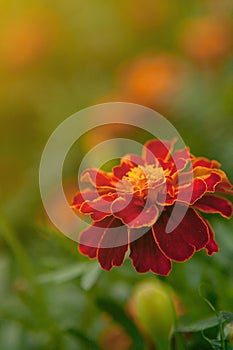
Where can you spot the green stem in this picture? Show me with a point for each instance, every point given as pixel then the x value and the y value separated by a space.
pixel 221 331
pixel 223 344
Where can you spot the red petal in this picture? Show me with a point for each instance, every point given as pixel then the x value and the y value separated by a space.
pixel 189 236
pixel 81 197
pixel 180 159
pixel 211 177
pixel 134 215
pixel 211 246
pixel 204 162
pixel 191 193
pixel 212 181
pixel 224 186
pixel 157 149
pixel 213 204
pixel 100 207
pixel 121 170
pixel 113 245
pixel 98 178
pixel 106 239
pixel 89 239
pixel 181 154
pixel 146 255
pixel 166 195
pixel 135 159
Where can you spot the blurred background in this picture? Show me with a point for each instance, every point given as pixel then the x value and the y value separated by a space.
pixel 57 57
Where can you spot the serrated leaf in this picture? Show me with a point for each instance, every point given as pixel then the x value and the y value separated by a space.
pixel 90 277
pixel 118 314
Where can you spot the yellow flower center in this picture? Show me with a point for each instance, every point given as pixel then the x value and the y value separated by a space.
pixel 144 177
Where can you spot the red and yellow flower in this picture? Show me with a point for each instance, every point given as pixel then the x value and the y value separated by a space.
pixel 131 206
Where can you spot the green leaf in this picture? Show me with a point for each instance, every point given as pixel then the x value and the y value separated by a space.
pixel 227 316
pixel 216 344
pixel 90 277
pixel 199 326
pixel 206 324
pixel 63 275
pixel 118 314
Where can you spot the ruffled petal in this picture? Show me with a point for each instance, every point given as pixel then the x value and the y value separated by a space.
pixel 113 245
pixel 212 246
pixel 157 149
pixel 189 236
pixel 204 162
pixel 89 239
pixel 107 240
pixel 183 153
pixel 134 159
pixel 191 193
pixel 211 181
pixel 225 185
pixel 212 204
pixel 121 170
pixel 181 159
pixel 146 255
pixel 133 214
pixel 81 197
pixel 98 208
pixel 211 177
pixel 98 178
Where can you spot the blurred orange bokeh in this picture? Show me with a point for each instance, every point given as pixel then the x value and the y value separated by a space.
pixel 154 80
pixel 115 338
pixel 154 14
pixel 208 39
pixel 28 39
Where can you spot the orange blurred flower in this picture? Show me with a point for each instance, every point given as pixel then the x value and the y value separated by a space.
pixel 207 39
pixel 154 80
pixel 27 39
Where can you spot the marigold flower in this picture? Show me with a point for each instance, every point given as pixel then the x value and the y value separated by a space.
pixel 131 206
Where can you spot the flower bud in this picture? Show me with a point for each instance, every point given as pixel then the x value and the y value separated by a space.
pixel 154 311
